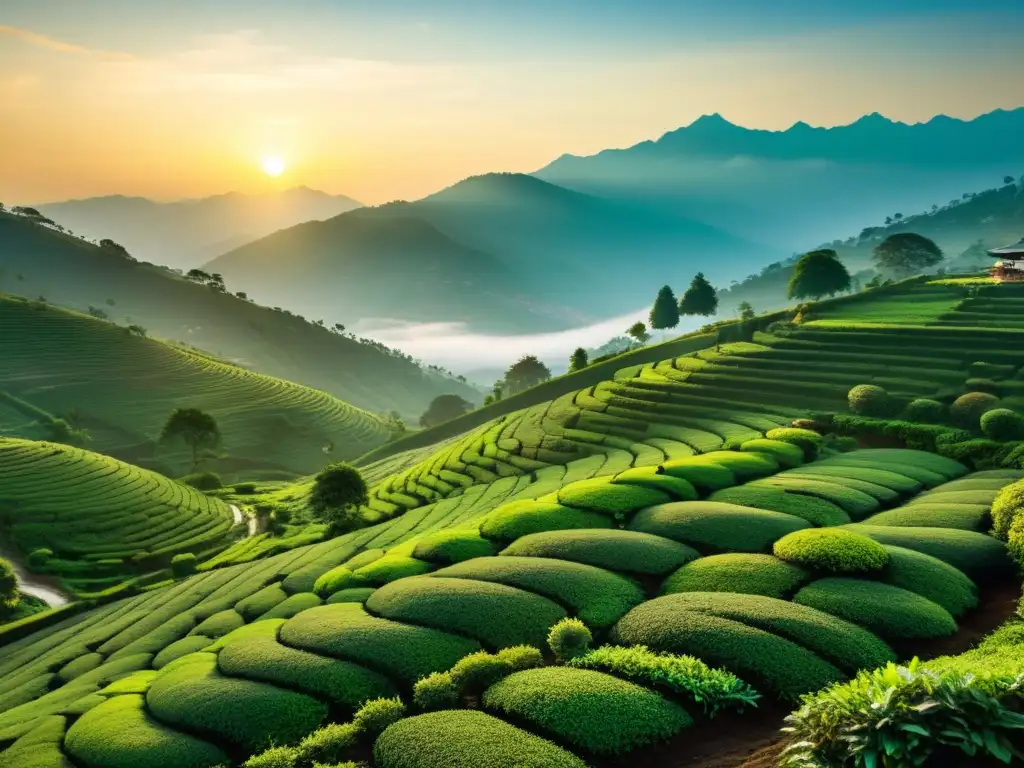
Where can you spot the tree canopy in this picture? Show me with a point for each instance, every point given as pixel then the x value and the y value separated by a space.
pixel 338 491
pixel 665 312
pixel 578 360
pixel 746 310
pixel 196 428
pixel 906 253
pixel 700 298
pixel 444 408
pixel 526 372
pixel 639 332
pixel 8 587
pixel 816 274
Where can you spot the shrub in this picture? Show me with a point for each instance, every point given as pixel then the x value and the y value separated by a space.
pixel 704 475
pixel 869 400
pixel 906 716
pixel 966 517
pixel 814 510
pixel 351 595
pixel 119 733
pixel 374 716
pixel 38 558
pixel 219 624
pixel 736 572
pixel 807 439
pixel 856 477
pixel 275 757
pixel 598 597
pixel 787 454
pixel 832 549
pixel 494 614
pixel 245 489
pixel 339 577
pixel 337 492
pixel 569 638
pixel 602 495
pixel 744 466
pixel 390 568
pixel 1007 507
pixel 968 409
pixel 478 670
pixel 888 611
pixel 329 744
pixel 713 526
pixel 522 657
pixel 714 690
pixel 627 551
pixel 925 411
pixel 930 578
pixel 183 564
pixel 203 481
pixel 452 546
pixel 519 518
pixel 771 662
pixel 981 384
pixel 179 648
pixel 247 631
pixel 292 605
pixel 1002 424
pixel 587 709
pixel 436 691
pixel 465 739
pixel 856 503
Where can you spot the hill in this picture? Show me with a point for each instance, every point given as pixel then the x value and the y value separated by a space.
pixel 530 256
pixel 121 387
pixel 94 514
pixel 36 260
pixel 186 233
pixel 789 188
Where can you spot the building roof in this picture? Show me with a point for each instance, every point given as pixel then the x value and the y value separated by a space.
pixel 1013 252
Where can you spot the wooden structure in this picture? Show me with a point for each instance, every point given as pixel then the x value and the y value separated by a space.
pixel 1010 267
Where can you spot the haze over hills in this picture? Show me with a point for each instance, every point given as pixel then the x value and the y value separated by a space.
pixel 184 234
pixel 505 236
pixel 796 187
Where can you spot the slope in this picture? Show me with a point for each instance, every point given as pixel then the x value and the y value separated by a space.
pixel 37 261
pixel 122 387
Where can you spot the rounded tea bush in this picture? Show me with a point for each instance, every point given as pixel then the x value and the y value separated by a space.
pixel 377 714
pixel 1002 424
pixel 968 409
pixel 569 638
pixel 833 550
pixel 925 411
pixel 183 564
pixel 38 558
pixel 436 691
pixel 868 400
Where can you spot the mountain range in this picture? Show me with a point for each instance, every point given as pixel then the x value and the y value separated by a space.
pixel 186 233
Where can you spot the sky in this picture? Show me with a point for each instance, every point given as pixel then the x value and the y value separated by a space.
pixel 395 99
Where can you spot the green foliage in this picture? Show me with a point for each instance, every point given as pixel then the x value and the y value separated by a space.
pixel 598 597
pixel 568 639
pixel 931 578
pixel 906 716
pixel 745 466
pixel 520 518
pixel 444 408
pixel 8 587
pixel 1002 424
pixel 665 312
pixel 626 551
pixel 587 709
pixel 578 360
pixel 873 605
pixel 700 298
pixel 351 595
pixel 968 409
pixel 477 671
pixel 906 253
pixel 453 546
pixel 196 428
pixel 119 733
pixel 787 454
pixel 522 657
pixel 465 739
pixel 967 517
pixel 494 614
pixel 203 481
pixel 818 274
pixel 436 691
pixel 703 474
pixel 338 490
pixel 639 333
pixel 183 564
pixel 528 371
pixel 736 572
pixel 329 744
pixel 746 311
pixel 602 495
pixel 677 488
pixel 179 648
pixel 376 715
pixel 275 757
pixel 39 558
pixel 814 510
pixel 714 526
pixel 926 411
pixel 833 550
pixel 1007 507
pixel 219 624
pixel 715 690
pixel 869 400
pixel 338 578
pixel 390 568
pixel 809 440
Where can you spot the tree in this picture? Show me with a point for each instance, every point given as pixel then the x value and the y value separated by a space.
pixel 1006 180
pixel 197 276
pixel 818 273
pixel 700 298
pixel 242 295
pixel 746 310
pixel 337 493
pixel 98 313
pixel 9 597
pixel 526 372
pixel 665 312
pixel 196 428
pixel 639 332
pixel 444 408
pixel 897 216
pixel 906 253
pixel 578 360
pixel 888 220
pixel 137 330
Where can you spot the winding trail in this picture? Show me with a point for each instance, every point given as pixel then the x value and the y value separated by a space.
pixel 43 587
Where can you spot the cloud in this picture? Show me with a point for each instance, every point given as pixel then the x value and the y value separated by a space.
pixel 61 46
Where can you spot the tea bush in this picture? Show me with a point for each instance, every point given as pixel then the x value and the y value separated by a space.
pixel 452 546
pixel 712 526
pixel 813 510
pixel 786 454
pixel 869 400
pixel 520 518
pixel 436 691
pixel 751 574
pixel 831 549
pixel 968 409
pixel 615 550
pixel 568 639
pixel 930 578
pixel 1002 424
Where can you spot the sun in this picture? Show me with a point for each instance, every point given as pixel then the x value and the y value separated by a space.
pixel 272 166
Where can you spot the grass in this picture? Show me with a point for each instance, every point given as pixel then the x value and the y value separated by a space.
pixel 587 709
pixel 712 526
pixel 614 550
pixel 751 574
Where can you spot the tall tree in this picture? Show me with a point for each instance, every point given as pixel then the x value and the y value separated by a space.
pixel 444 408
pixel 746 310
pixel 665 312
pixel 906 253
pixel 639 332
pixel 816 274
pixel 337 493
pixel 196 428
pixel 578 360
pixel 526 372
pixel 700 298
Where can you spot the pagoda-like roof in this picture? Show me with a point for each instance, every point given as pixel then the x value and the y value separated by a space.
pixel 1013 252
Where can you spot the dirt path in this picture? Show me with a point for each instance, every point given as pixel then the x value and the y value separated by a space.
pixel 46 588
pixel 253 523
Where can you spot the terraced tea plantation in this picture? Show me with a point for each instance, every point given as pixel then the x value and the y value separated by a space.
pixel 123 387
pixel 583 620
pixel 93 520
